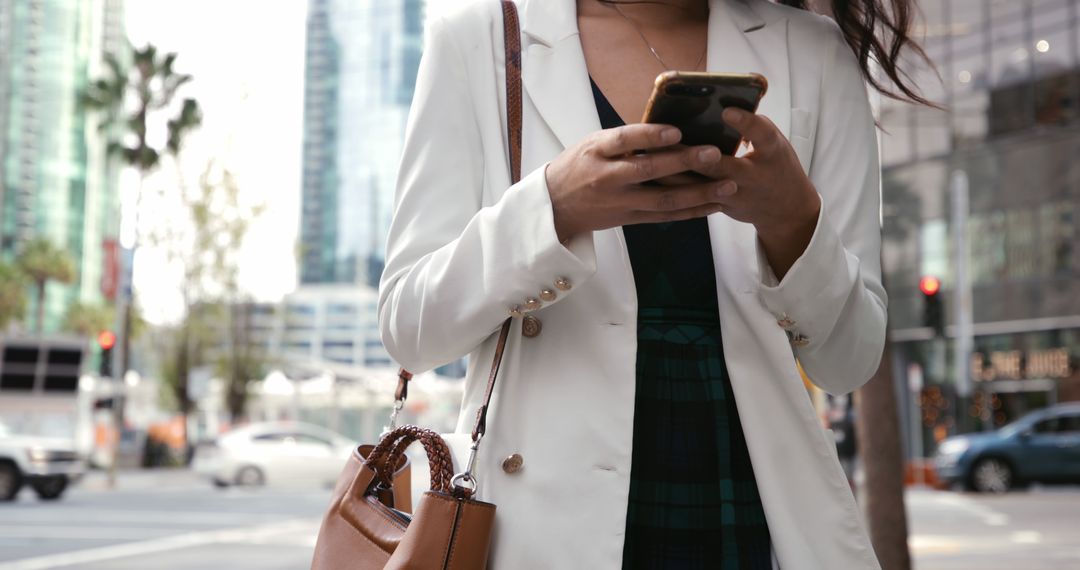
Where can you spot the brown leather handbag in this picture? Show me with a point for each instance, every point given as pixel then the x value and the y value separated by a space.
pixel 363 529
pixel 368 525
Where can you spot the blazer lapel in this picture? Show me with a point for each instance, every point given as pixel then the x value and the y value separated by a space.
pixel 742 41
pixel 554 73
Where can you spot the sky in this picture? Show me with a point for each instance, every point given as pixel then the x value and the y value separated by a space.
pixel 247 61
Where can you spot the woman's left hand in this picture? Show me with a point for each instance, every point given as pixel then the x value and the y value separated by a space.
pixel 773 193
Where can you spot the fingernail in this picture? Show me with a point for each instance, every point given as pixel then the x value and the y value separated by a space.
pixel 670 135
pixel 708 154
pixel 726 189
pixel 734 115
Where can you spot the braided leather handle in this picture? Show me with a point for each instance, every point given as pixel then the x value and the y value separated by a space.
pixel 385 456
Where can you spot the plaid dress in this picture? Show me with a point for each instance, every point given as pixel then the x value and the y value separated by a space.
pixel 694 502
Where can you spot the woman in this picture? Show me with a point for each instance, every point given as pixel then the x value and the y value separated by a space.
pixel 632 432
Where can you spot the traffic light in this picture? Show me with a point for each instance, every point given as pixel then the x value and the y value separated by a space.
pixel 933 313
pixel 106 340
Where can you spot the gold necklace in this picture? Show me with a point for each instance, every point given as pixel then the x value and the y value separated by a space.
pixel 652 50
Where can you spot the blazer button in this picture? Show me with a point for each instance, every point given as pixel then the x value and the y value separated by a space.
pixel 562 284
pixel 513 464
pixel 547 295
pixel 800 340
pixel 785 322
pixel 531 326
pixel 532 304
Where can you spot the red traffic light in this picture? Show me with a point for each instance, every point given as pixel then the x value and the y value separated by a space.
pixel 929 286
pixel 106 340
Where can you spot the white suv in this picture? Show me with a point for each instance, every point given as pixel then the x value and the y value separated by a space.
pixel 48 465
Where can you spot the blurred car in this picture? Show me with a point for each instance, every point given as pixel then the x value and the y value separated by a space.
pixel 1043 446
pixel 275 452
pixel 48 465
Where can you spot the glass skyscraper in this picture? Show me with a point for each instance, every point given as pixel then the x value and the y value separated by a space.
pixel 54 177
pixel 360 73
pixel 362 58
pixel 1009 87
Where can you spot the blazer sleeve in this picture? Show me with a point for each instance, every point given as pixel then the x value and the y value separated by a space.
pixel 832 299
pixel 454 265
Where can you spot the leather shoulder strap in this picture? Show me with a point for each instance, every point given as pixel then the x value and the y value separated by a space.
pixel 512 41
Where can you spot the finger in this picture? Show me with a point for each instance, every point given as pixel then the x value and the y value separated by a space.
pixel 757 129
pixel 676 215
pixel 730 168
pixel 682 179
pixel 639 168
pixel 656 199
pixel 612 143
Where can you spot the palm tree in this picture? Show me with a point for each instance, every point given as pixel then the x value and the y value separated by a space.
pixel 126 97
pixel 12 294
pixel 152 87
pixel 42 262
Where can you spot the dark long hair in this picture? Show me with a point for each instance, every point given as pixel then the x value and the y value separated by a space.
pixel 862 21
pixel 876 30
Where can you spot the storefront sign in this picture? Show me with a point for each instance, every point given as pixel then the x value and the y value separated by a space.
pixel 1015 365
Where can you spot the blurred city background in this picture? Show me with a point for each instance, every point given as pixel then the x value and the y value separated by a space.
pixel 194 198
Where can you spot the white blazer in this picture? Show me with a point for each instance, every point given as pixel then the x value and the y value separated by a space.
pixel 465 247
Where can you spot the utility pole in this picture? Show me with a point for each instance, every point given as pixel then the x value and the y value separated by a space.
pixel 962 310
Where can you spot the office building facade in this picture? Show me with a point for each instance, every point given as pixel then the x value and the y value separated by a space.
pixel 1009 89
pixel 360 72
pixel 55 180
pixel 361 63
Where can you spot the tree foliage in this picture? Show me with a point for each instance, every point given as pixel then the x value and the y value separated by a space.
pixel 128 95
pixel 88 320
pixel 206 241
pixel 41 262
pixel 12 294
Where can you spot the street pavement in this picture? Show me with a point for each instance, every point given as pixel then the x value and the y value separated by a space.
pixel 172 520
pixel 162 520
pixel 1037 529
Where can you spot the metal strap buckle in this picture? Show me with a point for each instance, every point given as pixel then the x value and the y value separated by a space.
pixel 465 481
pixel 398 405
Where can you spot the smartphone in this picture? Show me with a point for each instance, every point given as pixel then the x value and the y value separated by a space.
pixel 693 102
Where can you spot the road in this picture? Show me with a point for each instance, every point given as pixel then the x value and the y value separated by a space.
pixel 173 521
pixel 1029 530
pixel 161 520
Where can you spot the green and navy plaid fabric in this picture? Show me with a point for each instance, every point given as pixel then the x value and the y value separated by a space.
pixel 694 502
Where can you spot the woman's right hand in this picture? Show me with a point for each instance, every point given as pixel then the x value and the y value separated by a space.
pixel 601 182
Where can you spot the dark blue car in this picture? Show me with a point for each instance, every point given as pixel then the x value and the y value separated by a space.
pixel 1042 446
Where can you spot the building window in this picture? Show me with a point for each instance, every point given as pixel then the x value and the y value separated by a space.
pixel 301 310
pixel 337 309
